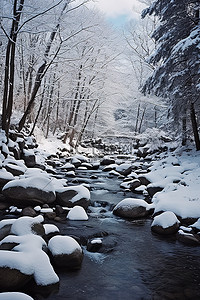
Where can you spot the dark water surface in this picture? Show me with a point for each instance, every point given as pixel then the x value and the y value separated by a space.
pixel 136 263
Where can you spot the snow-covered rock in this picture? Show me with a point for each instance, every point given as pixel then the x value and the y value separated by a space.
pixel 25 259
pixel 183 201
pixel 29 158
pixel 109 168
pixel 76 162
pixel 50 229
pixel 124 169
pixel 11 273
pixel 33 190
pixel 196 225
pixel 131 208
pixel 27 225
pixel 81 157
pixel 165 223
pixel 68 167
pixel 14 296
pixel 188 238
pixel 77 213
pixel 93 245
pixel 14 169
pixel 73 195
pixel 17 268
pixel 65 252
pixel 131 184
pixel 107 161
pixel 5 177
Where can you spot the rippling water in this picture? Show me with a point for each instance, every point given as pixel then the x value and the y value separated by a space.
pixel 137 263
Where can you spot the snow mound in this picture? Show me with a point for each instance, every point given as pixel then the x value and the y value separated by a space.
pixel 77 213
pixel 63 245
pixel 129 203
pixel 23 225
pixel 14 296
pixel 184 202
pixel 50 228
pixel 39 182
pixel 165 220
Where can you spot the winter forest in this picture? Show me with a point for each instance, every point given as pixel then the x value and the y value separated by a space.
pixel 66 70
pixel 99 125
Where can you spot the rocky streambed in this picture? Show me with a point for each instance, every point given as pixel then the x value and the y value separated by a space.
pixel 131 263
pixel 76 241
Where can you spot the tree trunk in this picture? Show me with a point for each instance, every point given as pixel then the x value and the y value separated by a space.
pixel 137 118
pixel 184 128
pixel 139 129
pixel 74 105
pixel 194 126
pixel 57 109
pixel 10 67
pixel 39 110
pixel 41 71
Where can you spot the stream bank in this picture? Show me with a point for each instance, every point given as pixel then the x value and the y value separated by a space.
pixel 133 264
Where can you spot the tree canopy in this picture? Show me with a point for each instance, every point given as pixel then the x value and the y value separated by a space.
pixel 177 59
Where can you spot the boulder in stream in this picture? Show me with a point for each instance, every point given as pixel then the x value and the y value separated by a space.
pixel 30 191
pixel 107 161
pixel 124 169
pixel 77 213
pixel 131 208
pixel 65 252
pixel 73 195
pixel 165 223
pixel 12 278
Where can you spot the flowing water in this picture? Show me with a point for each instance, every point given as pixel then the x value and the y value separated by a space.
pixel 135 264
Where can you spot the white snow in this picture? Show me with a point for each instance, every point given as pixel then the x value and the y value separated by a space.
pixel 72 173
pixel 129 203
pixel 68 166
pixel 186 229
pixel 14 209
pixel 196 224
pixel 127 184
pixel 26 242
pixel 185 233
pixel 37 208
pixel 165 220
pixel 27 256
pixel 39 182
pixel 44 273
pixel 24 225
pixel 77 213
pixel 115 173
pixel 50 228
pixel 81 157
pixel 6 175
pixel 82 192
pixel 6 222
pixel 180 193
pixel 46 210
pixel 28 152
pixel 184 202
pixel 14 296
pixel 96 241
pixel 34 263
pixel 123 167
pixel 63 245
pixel 12 161
pixel 141 188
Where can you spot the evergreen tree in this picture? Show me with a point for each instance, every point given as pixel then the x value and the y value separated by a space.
pixel 177 60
